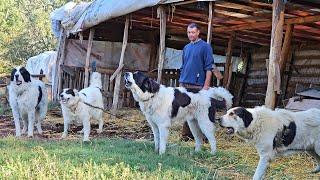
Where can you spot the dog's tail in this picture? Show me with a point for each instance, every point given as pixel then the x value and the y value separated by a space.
pixel 221 93
pixel 95 78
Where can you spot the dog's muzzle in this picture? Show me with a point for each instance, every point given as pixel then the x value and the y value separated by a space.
pixel 230 130
pixel 127 82
pixel 63 99
pixel 18 82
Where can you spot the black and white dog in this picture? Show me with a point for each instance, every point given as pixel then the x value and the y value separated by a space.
pixel 28 100
pixel 275 133
pixel 83 106
pixel 162 105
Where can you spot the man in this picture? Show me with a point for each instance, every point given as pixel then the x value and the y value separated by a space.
pixel 197 66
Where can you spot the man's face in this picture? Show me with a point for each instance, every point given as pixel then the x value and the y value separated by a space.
pixel 193 33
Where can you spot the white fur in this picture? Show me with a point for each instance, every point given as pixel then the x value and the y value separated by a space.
pixel 157 110
pixel 265 125
pixel 23 99
pixel 74 108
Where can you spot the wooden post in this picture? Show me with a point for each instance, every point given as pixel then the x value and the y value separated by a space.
pixel 162 15
pixel 86 68
pixel 286 53
pixel 275 53
pixel 286 47
pixel 116 90
pixel 60 54
pixel 228 65
pixel 209 33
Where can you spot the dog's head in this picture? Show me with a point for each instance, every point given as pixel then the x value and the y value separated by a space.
pixel 236 119
pixel 69 96
pixel 20 75
pixel 140 81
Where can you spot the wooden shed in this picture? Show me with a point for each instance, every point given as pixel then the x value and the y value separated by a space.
pixel 277 42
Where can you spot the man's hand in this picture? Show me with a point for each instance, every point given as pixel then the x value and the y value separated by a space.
pixel 205 87
pixel 217 73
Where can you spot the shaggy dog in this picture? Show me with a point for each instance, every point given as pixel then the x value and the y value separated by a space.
pixel 28 100
pixel 275 133
pixel 83 106
pixel 162 105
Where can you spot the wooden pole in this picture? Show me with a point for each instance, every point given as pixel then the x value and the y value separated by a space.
pixel 162 15
pixel 275 53
pixel 116 89
pixel 286 53
pixel 57 77
pixel 86 70
pixel 63 52
pixel 209 34
pixel 228 65
pixel 286 47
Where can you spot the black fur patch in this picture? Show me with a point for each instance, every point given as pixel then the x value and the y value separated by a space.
pixel 180 100
pixel 40 95
pixel 285 136
pixel 13 72
pixel 245 115
pixel 215 104
pixel 70 91
pixel 193 90
pixel 25 74
pixel 145 83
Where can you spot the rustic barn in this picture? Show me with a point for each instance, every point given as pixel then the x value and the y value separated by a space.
pixel 275 45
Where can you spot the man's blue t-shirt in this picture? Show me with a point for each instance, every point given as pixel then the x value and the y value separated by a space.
pixel 197 59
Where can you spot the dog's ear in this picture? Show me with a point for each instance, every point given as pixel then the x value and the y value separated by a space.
pixel 13 72
pixel 25 74
pixel 76 92
pixel 245 115
pixel 151 86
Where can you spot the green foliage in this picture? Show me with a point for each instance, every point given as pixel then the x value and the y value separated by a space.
pixel 25 30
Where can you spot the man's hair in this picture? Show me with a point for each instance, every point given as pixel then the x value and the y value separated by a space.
pixel 194 25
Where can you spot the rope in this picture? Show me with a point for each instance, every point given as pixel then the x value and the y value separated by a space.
pixel 96 107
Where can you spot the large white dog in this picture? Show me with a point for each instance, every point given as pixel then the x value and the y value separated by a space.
pixel 28 100
pixel 162 105
pixel 275 133
pixel 83 106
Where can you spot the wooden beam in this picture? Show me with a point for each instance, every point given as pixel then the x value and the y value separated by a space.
pixel 162 15
pixel 210 16
pixel 286 48
pixel 57 78
pixel 116 90
pixel 116 72
pixel 228 65
pixel 275 53
pixel 86 70
pixel 265 24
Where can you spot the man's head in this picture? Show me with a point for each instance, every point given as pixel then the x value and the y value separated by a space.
pixel 193 31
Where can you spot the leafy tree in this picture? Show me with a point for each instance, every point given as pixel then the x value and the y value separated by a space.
pixel 25 30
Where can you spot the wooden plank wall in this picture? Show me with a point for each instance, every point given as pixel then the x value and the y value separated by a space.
pixel 74 78
pixel 303 68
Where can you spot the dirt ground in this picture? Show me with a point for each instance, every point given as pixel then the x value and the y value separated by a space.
pixel 128 124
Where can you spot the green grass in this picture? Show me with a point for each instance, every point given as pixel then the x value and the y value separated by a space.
pixel 106 159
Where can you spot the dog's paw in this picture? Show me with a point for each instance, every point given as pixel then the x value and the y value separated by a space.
pixel 99 131
pixel 86 140
pixel 80 132
pixel 316 170
pixel 63 136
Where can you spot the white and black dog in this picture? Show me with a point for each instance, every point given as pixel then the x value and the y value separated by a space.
pixel 28 100
pixel 162 105
pixel 83 106
pixel 275 133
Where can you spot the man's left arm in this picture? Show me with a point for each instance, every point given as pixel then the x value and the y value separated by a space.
pixel 208 61
pixel 207 83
